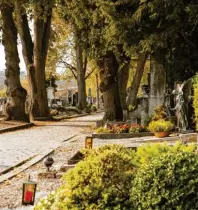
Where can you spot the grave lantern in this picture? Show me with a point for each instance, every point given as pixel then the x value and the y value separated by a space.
pixel 29 191
pixel 88 142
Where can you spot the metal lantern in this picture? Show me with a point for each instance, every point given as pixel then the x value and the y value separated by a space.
pixel 88 142
pixel 29 191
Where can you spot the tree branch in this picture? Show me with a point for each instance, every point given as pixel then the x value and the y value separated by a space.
pixel 90 73
pixel 24 33
pixel 46 32
pixel 70 67
pixel 85 64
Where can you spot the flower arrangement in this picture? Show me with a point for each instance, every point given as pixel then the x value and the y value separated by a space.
pixel 136 128
pixel 121 128
pixel 161 126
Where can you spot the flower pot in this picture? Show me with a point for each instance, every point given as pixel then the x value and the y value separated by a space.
pixel 162 134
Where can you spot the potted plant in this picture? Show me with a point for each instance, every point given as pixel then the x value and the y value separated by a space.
pixel 161 128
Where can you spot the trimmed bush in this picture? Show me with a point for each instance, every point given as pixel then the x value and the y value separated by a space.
pixel 146 153
pixel 101 181
pixel 169 181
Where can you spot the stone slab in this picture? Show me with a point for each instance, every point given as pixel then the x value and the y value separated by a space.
pixel 120 135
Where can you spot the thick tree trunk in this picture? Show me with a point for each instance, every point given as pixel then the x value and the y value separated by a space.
pixel 16 95
pixel 137 79
pixel 41 44
pixel 81 69
pixel 123 76
pixel 109 87
pixel 27 50
pixel 97 92
pixel 35 54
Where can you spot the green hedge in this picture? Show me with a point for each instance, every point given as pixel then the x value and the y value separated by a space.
pixel 156 176
pixel 100 182
pixel 168 182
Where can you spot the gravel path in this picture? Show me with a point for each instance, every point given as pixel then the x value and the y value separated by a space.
pixel 11 191
pixel 18 145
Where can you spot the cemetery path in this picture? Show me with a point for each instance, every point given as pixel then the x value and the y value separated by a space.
pixel 18 145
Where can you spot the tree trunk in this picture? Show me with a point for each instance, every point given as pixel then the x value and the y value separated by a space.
pixel 41 103
pixel 123 76
pixel 16 94
pixel 27 50
pixel 137 79
pixel 109 87
pixel 35 55
pixel 97 92
pixel 81 69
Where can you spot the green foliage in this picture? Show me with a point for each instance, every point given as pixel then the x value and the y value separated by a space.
pixel 165 178
pixel 103 130
pixel 135 128
pixel 101 181
pixel 3 92
pixel 94 108
pixel 195 99
pixel 147 152
pixel 169 181
pixel 159 113
pixel 121 128
pixel 160 125
pixel 131 108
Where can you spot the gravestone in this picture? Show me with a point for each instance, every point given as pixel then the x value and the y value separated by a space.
pixel 157 85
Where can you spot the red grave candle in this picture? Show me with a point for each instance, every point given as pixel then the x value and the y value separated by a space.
pixel 28 196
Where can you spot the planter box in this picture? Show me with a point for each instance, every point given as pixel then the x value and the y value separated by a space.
pixel 120 135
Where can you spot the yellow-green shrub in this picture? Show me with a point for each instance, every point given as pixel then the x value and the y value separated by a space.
pixel 160 125
pixel 101 181
pixel 146 153
pixel 103 130
pixel 169 181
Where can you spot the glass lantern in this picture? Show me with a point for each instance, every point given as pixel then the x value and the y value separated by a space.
pixel 29 191
pixel 88 142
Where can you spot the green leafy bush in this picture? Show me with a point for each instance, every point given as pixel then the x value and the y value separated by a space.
pixel 159 113
pixel 146 153
pixel 169 181
pixel 160 125
pixel 103 130
pixel 94 108
pixel 101 181
pixel 136 128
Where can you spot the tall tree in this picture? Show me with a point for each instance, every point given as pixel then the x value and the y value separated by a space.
pixel 35 53
pixel 142 57
pixel 171 27
pixel 16 94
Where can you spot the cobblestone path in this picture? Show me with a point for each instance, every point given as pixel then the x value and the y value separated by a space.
pixel 18 145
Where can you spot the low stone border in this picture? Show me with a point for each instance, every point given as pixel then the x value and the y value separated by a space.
pixel 136 142
pixel 13 172
pixel 120 135
pixel 18 127
pixel 16 165
pixel 78 156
